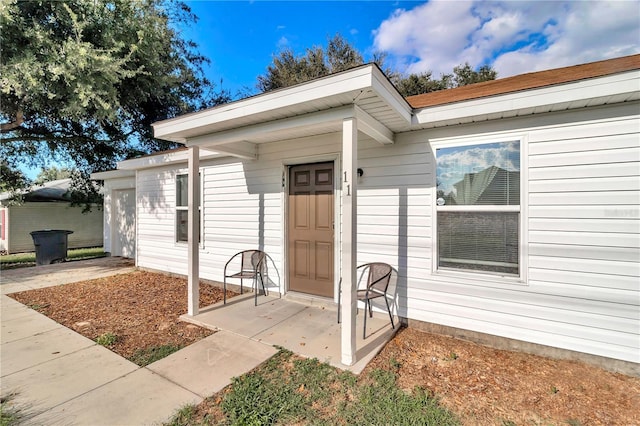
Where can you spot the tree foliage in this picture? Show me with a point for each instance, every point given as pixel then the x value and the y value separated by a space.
pixel 288 69
pixel 53 173
pixel 417 84
pixel 12 181
pixel 82 80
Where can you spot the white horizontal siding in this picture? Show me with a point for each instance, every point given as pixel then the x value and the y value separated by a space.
pixel 25 218
pixel 583 224
pixel 583 221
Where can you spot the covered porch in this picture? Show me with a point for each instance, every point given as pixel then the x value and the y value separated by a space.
pixel 304 326
pixel 354 105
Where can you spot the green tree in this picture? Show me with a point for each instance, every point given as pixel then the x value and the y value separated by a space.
pixel 82 80
pixel 52 173
pixel 288 69
pixel 417 84
pixel 464 74
pixel 12 182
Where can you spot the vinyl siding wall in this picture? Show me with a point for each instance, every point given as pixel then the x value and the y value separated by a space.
pixel 27 217
pixel 582 226
pixel 242 208
pixel 582 287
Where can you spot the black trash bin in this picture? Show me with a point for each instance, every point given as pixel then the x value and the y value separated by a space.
pixel 51 245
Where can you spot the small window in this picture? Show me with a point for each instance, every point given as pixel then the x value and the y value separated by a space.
pixel 478 207
pixel 182 209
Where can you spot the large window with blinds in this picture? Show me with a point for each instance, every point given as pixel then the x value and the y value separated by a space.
pixel 478 207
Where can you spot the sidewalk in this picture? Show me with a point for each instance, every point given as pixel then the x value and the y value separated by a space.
pixel 61 377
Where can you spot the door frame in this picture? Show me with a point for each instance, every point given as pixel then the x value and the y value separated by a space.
pixel 337 218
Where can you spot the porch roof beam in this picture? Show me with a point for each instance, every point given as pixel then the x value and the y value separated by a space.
pixel 243 149
pixel 171 157
pixel 366 123
pixel 373 128
pixel 246 133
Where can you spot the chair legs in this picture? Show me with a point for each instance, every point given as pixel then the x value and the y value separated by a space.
pixel 389 310
pixel 255 287
pixel 364 329
pixel 367 306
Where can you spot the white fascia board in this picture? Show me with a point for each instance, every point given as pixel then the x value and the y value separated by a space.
pixel 387 91
pixel 627 82
pixel 246 133
pixel 112 174
pixel 357 79
pixel 163 159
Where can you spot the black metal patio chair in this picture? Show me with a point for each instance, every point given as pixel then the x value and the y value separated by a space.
pixel 378 279
pixel 252 265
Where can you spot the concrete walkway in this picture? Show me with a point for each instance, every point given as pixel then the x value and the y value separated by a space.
pixel 61 377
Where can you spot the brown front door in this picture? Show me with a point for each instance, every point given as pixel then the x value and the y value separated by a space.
pixel 310 233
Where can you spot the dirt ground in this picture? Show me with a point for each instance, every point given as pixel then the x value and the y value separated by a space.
pixel 486 386
pixel 483 386
pixel 140 308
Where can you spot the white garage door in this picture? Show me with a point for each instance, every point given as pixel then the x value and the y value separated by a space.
pixel 124 213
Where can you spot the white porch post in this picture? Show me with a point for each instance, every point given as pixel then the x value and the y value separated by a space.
pixel 349 240
pixel 193 230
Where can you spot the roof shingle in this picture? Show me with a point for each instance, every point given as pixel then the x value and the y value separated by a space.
pixel 526 81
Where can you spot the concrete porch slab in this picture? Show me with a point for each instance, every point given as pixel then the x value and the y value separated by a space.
pixel 240 316
pixel 308 330
pixel 141 397
pixel 218 358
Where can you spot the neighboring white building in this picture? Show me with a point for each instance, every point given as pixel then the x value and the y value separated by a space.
pixel 119 218
pixel 47 207
pixel 543 247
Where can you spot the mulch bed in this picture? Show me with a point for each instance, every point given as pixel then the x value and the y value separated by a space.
pixel 483 386
pixel 140 308
pixel 486 386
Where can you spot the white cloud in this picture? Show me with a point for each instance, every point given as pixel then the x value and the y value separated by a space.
pixel 282 43
pixel 454 163
pixel 514 36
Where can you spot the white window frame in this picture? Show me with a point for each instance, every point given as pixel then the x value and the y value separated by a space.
pixel 463 274
pixel 186 208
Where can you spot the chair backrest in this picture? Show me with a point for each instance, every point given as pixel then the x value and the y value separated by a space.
pixel 257 260
pixel 379 276
pixel 251 260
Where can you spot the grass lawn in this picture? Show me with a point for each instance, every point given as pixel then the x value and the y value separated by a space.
pixel 21 260
pixel 287 389
pixel 9 415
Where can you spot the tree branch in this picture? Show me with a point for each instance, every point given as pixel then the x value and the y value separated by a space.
pixel 13 125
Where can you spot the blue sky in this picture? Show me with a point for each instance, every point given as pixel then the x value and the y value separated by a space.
pixel 514 37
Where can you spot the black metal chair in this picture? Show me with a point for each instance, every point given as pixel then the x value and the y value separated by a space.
pixel 378 279
pixel 252 266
